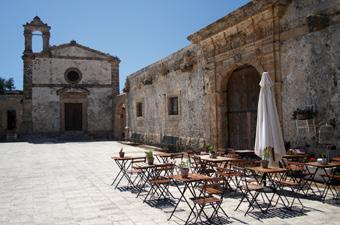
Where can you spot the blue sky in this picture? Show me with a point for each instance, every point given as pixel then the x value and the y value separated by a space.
pixel 139 32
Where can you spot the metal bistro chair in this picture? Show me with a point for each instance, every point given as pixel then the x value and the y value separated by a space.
pixel 135 171
pixel 210 197
pixel 160 181
pixel 251 189
pixel 201 166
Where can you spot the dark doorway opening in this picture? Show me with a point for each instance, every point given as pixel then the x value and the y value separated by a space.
pixel 73 116
pixel 11 120
pixel 243 93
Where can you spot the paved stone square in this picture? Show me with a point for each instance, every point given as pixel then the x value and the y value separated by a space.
pixel 70 183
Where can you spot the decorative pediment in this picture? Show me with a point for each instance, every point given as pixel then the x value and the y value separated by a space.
pixel 73 49
pixel 73 91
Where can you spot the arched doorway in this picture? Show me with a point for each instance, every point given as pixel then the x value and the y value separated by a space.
pixel 120 122
pixel 242 99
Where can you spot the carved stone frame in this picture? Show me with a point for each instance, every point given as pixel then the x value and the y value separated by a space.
pixel 72 95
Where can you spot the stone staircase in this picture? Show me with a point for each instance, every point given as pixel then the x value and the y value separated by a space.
pixel 70 136
pixel 11 136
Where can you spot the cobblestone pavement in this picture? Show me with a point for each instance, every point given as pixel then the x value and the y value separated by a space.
pixel 70 183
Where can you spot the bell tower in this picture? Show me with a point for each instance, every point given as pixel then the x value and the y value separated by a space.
pixel 36 25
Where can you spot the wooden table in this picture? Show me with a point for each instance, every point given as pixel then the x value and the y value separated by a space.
pixel 336 159
pixel 325 178
pixel 295 157
pixel 269 174
pixel 189 184
pixel 266 171
pixel 165 156
pixel 124 163
pixel 218 160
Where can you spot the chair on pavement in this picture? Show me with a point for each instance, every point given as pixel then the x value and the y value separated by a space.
pixel 160 181
pixel 210 198
pixel 135 171
pixel 251 189
pixel 201 166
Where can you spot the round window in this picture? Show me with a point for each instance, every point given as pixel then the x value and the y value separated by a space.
pixel 73 75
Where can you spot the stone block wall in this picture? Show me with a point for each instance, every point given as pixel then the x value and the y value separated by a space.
pixel 48 80
pixel 10 102
pixel 309 63
pixel 179 75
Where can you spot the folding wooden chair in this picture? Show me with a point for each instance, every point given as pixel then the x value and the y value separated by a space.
pixel 160 181
pixel 292 184
pixel 135 171
pixel 211 197
pixel 201 167
pixel 251 189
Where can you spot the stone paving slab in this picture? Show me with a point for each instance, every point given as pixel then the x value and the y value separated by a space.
pixel 70 184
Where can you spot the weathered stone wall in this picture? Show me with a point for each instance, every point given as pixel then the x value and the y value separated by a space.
pixel 309 63
pixel 48 78
pixel 182 75
pixel 10 102
pixel 297 42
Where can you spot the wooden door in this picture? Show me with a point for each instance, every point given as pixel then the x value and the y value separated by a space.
pixel 73 116
pixel 243 93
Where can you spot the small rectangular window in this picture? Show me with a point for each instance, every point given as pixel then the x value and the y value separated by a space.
pixel 139 109
pixel 173 106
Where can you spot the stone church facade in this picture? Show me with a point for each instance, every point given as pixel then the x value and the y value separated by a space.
pixel 208 91
pixel 68 88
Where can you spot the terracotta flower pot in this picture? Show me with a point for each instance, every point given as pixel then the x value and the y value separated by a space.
pixel 264 163
pixel 150 161
pixel 184 172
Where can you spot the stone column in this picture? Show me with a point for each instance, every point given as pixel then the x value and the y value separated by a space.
pixel 27 126
pixel 28 41
pixel 46 40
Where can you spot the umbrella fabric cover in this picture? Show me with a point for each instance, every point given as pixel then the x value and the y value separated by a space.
pixel 268 130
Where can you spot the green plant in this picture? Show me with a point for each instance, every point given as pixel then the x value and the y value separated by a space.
pixel 209 148
pixel 309 112
pixel 266 152
pixel 184 163
pixel 322 155
pixel 149 154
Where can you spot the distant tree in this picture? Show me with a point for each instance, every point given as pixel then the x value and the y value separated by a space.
pixel 9 85
pixel 2 85
pixel 6 85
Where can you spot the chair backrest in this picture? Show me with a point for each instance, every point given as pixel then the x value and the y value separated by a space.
pixel 215 182
pixel 177 155
pixel 164 169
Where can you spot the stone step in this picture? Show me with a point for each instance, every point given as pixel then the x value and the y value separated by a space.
pixel 11 136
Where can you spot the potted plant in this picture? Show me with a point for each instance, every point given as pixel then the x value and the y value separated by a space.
pixel 149 157
pixel 121 153
pixel 184 168
pixel 265 157
pixel 322 158
pixel 211 150
pixel 304 113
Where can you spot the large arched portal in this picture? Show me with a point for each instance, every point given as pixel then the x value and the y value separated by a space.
pixel 242 99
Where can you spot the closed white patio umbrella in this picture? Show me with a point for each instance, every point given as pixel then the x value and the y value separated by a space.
pixel 268 130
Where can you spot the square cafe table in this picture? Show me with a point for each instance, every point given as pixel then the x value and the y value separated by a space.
pixel 189 184
pixel 165 156
pixel 268 174
pixel 124 163
pixel 326 176
pixel 218 160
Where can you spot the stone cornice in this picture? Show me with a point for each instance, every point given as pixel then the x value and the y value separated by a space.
pixel 75 44
pixel 73 85
pixel 243 13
